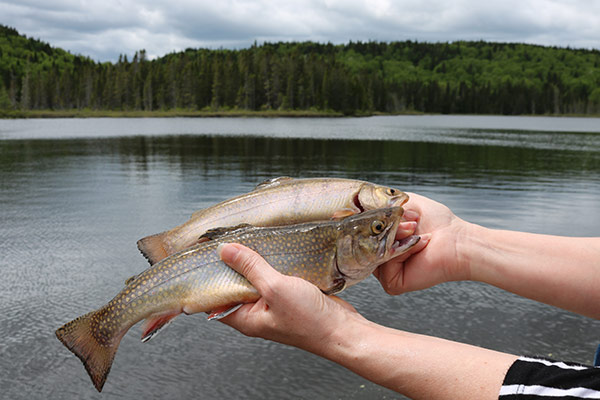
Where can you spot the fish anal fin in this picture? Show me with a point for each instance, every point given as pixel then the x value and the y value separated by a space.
pixel 153 247
pixel 222 312
pixel 215 233
pixel 343 213
pixel 156 322
pixel 273 182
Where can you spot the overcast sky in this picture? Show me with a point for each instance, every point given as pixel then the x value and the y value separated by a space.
pixel 103 29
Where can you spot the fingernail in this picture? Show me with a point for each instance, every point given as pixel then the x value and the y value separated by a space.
pixel 227 252
pixel 426 237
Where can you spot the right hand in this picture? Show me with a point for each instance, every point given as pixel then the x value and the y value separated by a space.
pixel 440 261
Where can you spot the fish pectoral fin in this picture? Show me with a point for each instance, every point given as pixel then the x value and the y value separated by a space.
pixel 338 286
pixel 222 312
pixel 343 213
pixel 215 233
pixel 202 239
pixel 155 322
pixel 273 182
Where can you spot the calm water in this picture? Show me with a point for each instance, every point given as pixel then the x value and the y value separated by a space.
pixel 77 194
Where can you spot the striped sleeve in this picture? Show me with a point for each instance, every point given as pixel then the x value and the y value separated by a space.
pixel 532 378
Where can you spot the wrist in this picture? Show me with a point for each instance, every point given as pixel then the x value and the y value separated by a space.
pixel 345 338
pixel 485 252
pixel 472 241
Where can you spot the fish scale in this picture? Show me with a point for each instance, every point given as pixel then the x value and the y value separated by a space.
pixel 331 255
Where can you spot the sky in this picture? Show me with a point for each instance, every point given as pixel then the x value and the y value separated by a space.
pixel 104 29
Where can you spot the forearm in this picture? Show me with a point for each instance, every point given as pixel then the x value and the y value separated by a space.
pixel 561 271
pixel 417 366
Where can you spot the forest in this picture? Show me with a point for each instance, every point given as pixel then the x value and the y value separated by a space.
pixel 356 78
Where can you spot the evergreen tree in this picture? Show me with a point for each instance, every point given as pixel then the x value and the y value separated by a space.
pixel 457 77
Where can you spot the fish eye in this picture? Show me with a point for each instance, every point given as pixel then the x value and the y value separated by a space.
pixel 377 227
pixel 391 191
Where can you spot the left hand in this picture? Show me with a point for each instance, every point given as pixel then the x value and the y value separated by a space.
pixel 291 310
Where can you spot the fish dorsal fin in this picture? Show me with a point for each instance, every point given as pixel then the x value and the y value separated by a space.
pixel 216 233
pixel 130 279
pixel 273 182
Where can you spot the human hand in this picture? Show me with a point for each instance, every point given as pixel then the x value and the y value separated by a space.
pixel 290 310
pixel 439 261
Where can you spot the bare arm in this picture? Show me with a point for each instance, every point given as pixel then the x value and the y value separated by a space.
pixel 418 366
pixel 294 312
pixel 561 271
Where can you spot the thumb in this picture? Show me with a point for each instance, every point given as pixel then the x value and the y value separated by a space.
pixel 248 263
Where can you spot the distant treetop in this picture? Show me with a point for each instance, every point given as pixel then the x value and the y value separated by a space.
pixel 353 78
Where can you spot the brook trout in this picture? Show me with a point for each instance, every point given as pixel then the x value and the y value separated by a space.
pixel 332 255
pixel 280 201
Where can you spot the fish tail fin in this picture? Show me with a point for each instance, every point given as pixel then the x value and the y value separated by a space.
pixel 153 247
pixel 96 353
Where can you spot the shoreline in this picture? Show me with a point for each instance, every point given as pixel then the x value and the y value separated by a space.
pixel 19 114
pixel 50 114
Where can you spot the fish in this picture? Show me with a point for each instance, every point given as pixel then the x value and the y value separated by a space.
pixel 332 255
pixel 279 201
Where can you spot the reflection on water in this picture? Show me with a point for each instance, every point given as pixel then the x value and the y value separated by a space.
pixel 73 208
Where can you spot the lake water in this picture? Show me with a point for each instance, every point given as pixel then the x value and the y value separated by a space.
pixel 77 194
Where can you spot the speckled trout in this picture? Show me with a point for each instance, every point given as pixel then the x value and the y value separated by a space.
pixel 332 255
pixel 280 201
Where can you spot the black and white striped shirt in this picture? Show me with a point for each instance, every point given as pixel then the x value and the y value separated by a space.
pixel 540 378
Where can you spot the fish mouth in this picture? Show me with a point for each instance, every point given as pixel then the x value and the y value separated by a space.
pixel 357 203
pixel 386 249
pixel 398 200
pixel 394 247
pixel 401 246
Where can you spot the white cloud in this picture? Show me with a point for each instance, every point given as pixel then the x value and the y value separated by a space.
pixel 104 29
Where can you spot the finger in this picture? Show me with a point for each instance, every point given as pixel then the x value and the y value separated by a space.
pixel 406 229
pixel 421 244
pixel 411 215
pixel 391 274
pixel 413 205
pixel 417 247
pixel 248 263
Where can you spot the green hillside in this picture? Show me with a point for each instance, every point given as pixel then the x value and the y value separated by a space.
pixel 355 78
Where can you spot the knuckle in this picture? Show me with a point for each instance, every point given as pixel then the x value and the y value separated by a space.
pixel 250 261
pixel 247 262
pixel 391 288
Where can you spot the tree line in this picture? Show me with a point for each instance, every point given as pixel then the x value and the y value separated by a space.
pixel 353 78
